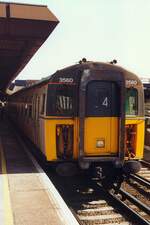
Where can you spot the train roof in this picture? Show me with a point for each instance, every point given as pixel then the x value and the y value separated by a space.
pixel 90 65
pixel 86 65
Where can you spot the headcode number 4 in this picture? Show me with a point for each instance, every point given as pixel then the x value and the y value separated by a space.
pixel 105 102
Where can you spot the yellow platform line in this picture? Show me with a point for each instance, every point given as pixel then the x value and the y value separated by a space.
pixel 8 215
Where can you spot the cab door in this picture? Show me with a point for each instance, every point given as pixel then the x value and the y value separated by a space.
pixel 101 119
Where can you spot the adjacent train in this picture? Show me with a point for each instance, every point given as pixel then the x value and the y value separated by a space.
pixel 147 114
pixel 89 113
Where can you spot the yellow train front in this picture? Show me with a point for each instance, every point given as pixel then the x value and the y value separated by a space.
pixel 89 113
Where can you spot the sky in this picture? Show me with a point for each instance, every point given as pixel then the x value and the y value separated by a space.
pixel 99 30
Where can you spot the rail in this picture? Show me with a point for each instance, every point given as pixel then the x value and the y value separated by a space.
pixel 129 211
pixel 147 164
pixel 135 201
pixel 140 180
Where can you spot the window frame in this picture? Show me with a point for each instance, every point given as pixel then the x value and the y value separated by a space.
pixel 64 89
pixel 110 90
pixel 136 102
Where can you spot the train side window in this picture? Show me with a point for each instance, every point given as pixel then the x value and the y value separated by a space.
pixel 22 110
pixel 26 109
pixel 34 108
pixel 61 100
pixel 30 107
pixel 30 111
pixel 35 103
pixel 37 108
pixel 43 104
pixel 19 109
pixel 131 104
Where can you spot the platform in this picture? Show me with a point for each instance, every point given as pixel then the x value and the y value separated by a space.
pixel 27 196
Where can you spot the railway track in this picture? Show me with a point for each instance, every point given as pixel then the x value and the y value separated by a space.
pixel 110 211
pixel 100 210
pixel 142 179
pixel 93 205
pixel 139 210
pixel 145 170
pixel 104 212
pixel 140 184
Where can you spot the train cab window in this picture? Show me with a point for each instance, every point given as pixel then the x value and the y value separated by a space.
pixel 131 104
pixel 102 99
pixel 63 103
pixel 61 100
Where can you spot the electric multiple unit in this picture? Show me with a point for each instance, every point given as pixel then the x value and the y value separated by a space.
pixel 88 113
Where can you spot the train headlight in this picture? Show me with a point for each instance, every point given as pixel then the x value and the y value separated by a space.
pixel 100 143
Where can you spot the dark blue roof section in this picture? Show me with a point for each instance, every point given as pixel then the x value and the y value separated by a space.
pixel 20 83
pixel 147 91
pixel 25 83
pixel 146 85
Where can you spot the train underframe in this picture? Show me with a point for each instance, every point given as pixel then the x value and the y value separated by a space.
pixel 111 174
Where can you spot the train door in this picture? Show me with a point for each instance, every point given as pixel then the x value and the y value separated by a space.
pixel 101 119
pixel 37 123
pixel 36 120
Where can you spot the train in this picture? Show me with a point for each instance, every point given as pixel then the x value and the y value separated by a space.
pixel 90 113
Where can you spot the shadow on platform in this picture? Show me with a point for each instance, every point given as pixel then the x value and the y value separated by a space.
pixel 15 157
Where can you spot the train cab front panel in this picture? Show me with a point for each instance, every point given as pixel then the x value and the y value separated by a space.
pixel 101 119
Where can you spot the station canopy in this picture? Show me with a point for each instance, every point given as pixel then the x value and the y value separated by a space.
pixel 23 29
